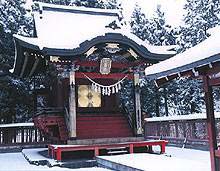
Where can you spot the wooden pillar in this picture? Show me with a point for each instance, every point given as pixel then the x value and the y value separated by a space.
pixel 210 123
pixel 131 148
pixel 72 105
pixel 59 93
pixel 139 129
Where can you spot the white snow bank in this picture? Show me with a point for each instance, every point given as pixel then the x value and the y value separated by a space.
pixel 17 125
pixel 205 49
pixel 181 117
pixel 17 162
pixel 180 160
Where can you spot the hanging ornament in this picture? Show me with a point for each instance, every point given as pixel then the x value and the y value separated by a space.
pixel 119 86
pixel 113 90
pixel 109 91
pixel 105 90
pixel 116 88
pixel 99 89
pixel 96 88
pixel 93 87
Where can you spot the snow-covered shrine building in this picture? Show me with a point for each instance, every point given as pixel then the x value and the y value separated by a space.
pixel 93 54
pixel 201 61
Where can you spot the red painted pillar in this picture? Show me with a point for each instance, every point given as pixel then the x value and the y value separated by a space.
pixel 162 148
pixel 96 151
pixel 58 154
pixel 131 148
pixel 211 123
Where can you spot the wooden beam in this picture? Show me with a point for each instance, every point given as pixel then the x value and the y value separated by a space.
pixel 24 64
pixel 211 123
pixel 215 82
pixel 34 66
pixel 114 64
pixel 100 76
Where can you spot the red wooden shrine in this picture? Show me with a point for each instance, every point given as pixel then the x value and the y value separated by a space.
pixel 91 60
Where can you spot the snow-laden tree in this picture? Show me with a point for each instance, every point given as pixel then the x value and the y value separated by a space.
pixel 138 23
pixel 155 31
pixel 185 96
pixel 13 20
pixel 200 16
pixel 14 95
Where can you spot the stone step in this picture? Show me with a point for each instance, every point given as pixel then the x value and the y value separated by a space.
pixel 117 152
pixel 116 148
pixel 104 140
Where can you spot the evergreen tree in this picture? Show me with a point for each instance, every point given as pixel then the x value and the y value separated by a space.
pixel 200 16
pixel 15 101
pixel 138 23
pixel 185 96
pixel 13 20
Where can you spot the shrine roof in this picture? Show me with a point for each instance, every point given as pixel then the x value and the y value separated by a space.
pixel 68 27
pixel 72 31
pixel 203 54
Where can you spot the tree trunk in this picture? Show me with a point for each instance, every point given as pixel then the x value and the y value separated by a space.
pixel 157 110
pixel 165 102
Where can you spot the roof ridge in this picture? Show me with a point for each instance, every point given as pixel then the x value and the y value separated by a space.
pixel 76 9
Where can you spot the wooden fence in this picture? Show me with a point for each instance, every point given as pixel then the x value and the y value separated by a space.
pixel 20 134
pixel 184 132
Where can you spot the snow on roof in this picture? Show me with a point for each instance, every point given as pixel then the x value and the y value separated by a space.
pixel 193 57
pixel 16 125
pixel 196 116
pixel 66 27
pixel 78 9
pixel 66 30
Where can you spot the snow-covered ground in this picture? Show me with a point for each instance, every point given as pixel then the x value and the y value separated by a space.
pixel 17 162
pixel 175 159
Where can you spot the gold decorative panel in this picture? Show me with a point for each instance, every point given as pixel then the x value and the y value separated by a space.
pixel 88 97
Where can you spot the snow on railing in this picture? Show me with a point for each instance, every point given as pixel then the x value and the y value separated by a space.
pixel 17 134
pixel 196 116
pixel 185 130
pixel 17 125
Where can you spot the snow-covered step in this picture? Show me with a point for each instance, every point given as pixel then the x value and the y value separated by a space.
pixel 117 152
pixel 116 148
pixel 104 140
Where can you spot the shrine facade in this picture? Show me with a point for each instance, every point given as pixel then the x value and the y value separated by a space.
pixel 92 53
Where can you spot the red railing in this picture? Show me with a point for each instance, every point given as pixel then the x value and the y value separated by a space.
pixel 183 132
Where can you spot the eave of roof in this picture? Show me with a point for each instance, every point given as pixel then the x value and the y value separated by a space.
pixel 142 48
pixel 192 60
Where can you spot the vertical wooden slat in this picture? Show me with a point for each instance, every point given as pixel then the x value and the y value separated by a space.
pixel 14 131
pixel 176 130
pixel 35 135
pixel 0 135
pixel 30 134
pixel 22 135
pixel 26 135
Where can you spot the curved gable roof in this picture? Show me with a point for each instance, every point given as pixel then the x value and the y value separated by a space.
pixel 70 31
